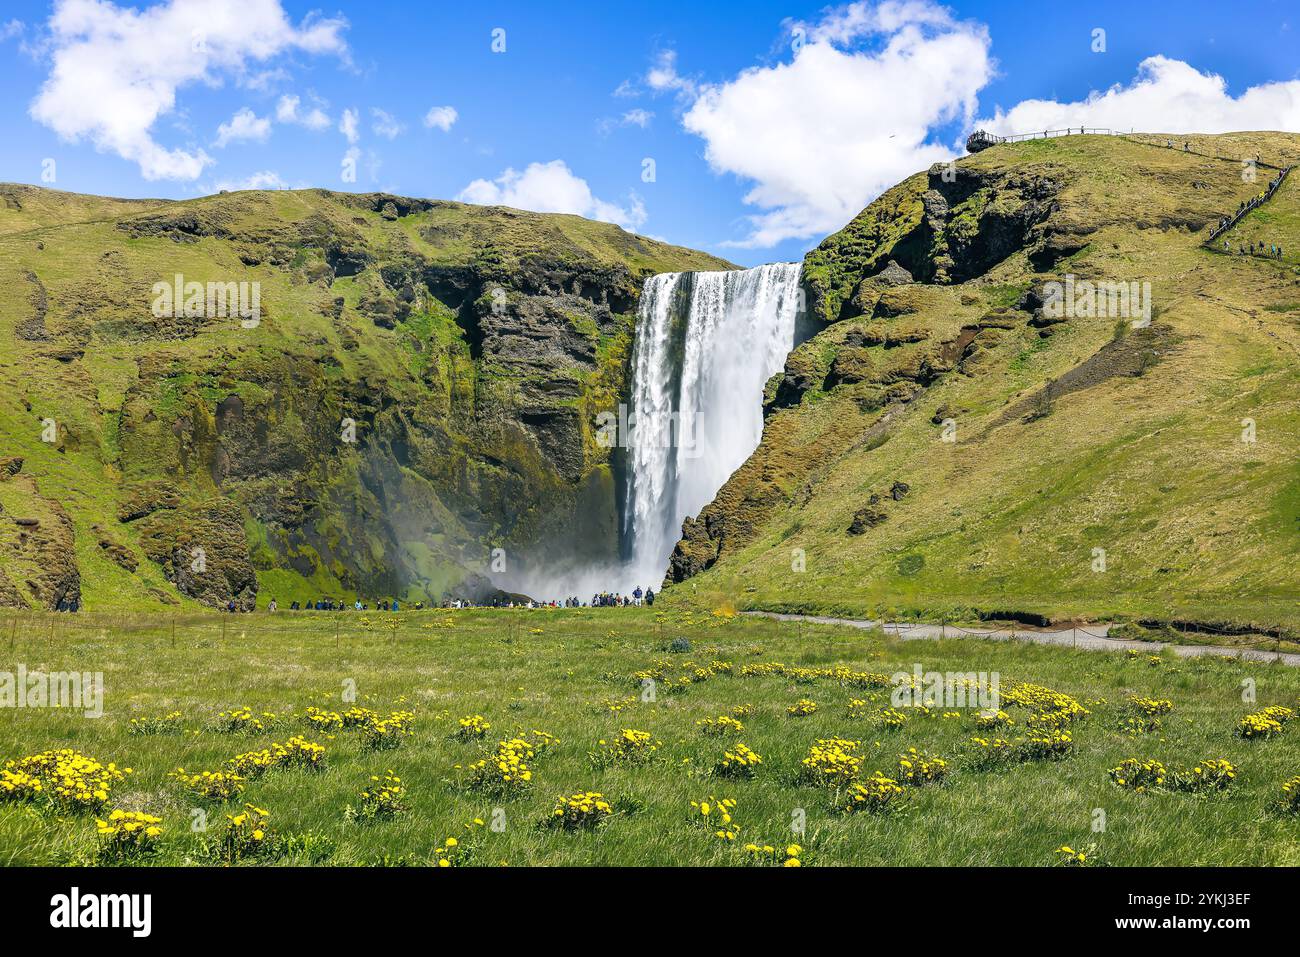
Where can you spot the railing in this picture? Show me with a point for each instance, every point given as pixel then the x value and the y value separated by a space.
pixel 981 139
pixel 1229 221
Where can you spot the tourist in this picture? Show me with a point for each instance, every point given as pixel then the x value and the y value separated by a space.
pixel 272 606
pixel 649 596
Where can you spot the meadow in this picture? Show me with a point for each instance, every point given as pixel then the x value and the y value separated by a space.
pixel 436 691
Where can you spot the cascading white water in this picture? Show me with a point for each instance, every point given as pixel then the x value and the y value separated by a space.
pixel 706 344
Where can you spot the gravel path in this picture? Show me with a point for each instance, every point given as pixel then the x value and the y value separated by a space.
pixel 1093 638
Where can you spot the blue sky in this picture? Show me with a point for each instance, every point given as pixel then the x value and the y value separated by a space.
pixel 769 124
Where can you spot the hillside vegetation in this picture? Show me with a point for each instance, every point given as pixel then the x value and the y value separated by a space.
pixel 947 445
pixel 468 347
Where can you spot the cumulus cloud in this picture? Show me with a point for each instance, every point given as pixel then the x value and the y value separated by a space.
pixel 383 123
pixel 1166 96
pixel 266 179
pixel 290 110
pixel 14 28
pixel 244 125
pixel 552 188
pixel 441 118
pixel 114 70
pixel 854 112
pixel 348 125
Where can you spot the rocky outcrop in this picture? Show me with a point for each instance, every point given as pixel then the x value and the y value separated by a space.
pixel 38 554
pixel 946 226
pixel 203 552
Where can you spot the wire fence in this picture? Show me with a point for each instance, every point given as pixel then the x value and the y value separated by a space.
pixel 981 139
pixel 350 629
pixel 1242 642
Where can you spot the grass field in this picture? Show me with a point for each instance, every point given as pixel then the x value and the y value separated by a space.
pixel 574 675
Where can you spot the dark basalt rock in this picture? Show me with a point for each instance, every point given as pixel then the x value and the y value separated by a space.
pixel 893 275
pixel 868 517
pixel 146 498
pixel 203 552
pixel 1054 248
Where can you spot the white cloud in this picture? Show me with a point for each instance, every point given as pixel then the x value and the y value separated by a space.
pixel 289 110
pixel 664 78
pixel 633 117
pixel 266 179
pixel 637 117
pixel 384 124
pixel 823 135
pixel 1166 96
pixel 116 70
pixel 348 125
pixel 244 125
pixel 441 118
pixel 14 28
pixel 855 21
pixel 552 188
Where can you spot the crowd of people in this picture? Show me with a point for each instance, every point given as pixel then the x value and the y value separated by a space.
pixel 637 598
pixel 1255 249
pixel 616 600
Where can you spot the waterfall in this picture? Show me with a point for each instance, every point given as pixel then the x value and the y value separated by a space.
pixel 706 344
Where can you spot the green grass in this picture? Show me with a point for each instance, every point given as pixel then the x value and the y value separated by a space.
pixel 555 671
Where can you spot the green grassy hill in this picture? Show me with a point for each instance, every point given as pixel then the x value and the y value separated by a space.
pixel 946 445
pixel 470 348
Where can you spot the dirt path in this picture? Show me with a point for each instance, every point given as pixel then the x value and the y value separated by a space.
pixel 1093 637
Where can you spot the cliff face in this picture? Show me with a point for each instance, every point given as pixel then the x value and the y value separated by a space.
pixel 948 440
pixel 420 386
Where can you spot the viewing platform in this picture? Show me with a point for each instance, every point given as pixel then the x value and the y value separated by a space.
pixel 982 140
